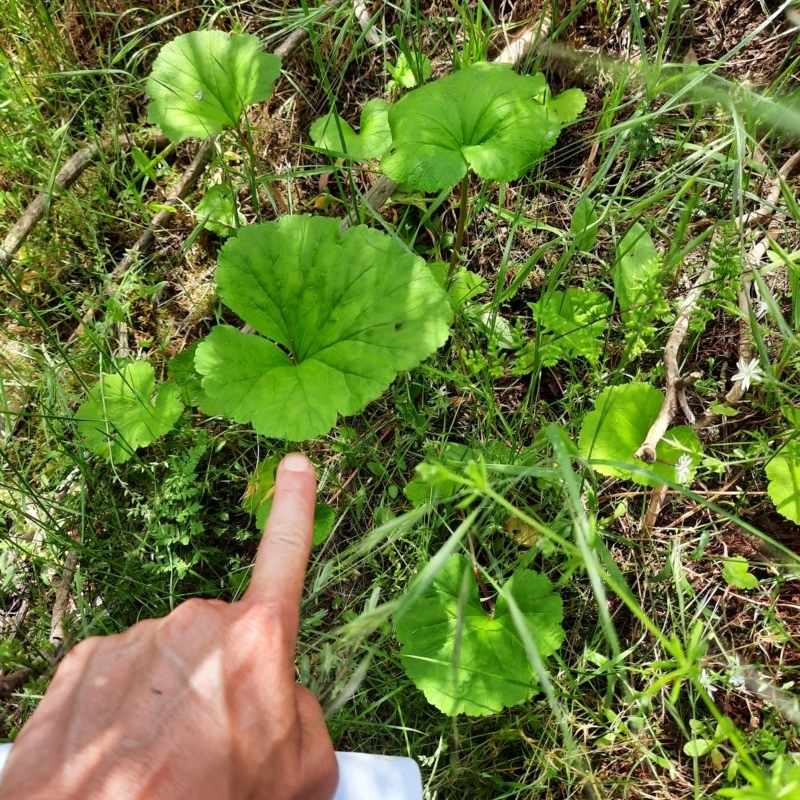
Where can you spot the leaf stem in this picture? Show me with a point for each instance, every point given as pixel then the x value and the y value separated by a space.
pixel 461 227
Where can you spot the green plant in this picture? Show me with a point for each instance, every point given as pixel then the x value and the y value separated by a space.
pixel 339 316
pixel 572 323
pixel 468 655
pixel 257 501
pixel 201 82
pixel 125 412
pixel 783 472
pixel 488 119
pixel 335 136
pixel 705 744
pixel 638 286
pixel 614 430
pixel 411 69
pixel 736 572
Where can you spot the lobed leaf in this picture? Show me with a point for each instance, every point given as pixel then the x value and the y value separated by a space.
pixel 465 661
pixel 332 134
pixel 485 117
pixel 122 415
pixel 339 316
pixel 617 426
pixel 201 82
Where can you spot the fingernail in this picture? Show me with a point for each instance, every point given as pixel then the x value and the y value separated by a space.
pixel 296 462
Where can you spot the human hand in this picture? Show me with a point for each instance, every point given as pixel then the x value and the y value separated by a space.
pixel 201 704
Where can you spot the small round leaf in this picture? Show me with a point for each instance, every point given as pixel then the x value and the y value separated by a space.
pixel 618 425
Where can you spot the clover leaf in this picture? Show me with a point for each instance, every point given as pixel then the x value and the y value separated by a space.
pixel 573 324
pixel 122 415
pixel 201 81
pixel 332 134
pixel 784 481
pixel 339 316
pixel 465 661
pixel 484 117
pixel 618 425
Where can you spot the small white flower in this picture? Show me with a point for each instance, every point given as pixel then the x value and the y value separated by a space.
pixel 748 373
pixel 683 469
pixel 442 390
pixel 761 308
pixel 736 680
pixel 706 681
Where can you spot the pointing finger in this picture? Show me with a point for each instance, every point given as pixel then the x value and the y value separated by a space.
pixel 282 558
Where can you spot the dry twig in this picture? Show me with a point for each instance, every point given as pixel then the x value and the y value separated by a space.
pixel 675 384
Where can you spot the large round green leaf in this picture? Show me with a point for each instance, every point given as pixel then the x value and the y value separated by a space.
pixel 485 117
pixel 784 481
pixel 465 661
pixel 618 425
pixel 342 315
pixel 201 82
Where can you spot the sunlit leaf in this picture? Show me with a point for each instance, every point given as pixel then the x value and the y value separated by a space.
pixel 124 412
pixel 201 82
pixel 332 134
pixel 735 572
pixel 466 661
pixel 484 117
pixel 339 315
pixel 783 472
pixel 616 427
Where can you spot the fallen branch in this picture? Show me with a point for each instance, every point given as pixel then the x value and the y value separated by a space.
pixel 675 385
pixel 365 21
pixel 65 178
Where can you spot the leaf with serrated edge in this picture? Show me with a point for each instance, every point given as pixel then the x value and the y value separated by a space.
pixel 616 427
pixel 465 661
pixel 122 415
pixel 332 134
pixel 201 81
pixel 573 324
pixel 484 117
pixel 342 315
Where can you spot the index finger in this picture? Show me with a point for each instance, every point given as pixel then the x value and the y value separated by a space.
pixel 280 567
